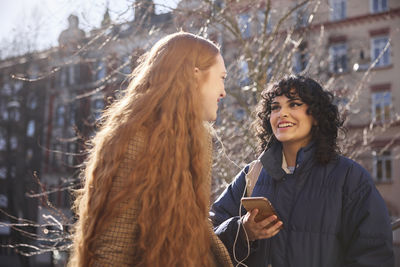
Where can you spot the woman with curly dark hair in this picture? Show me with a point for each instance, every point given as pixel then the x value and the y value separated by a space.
pixel 328 211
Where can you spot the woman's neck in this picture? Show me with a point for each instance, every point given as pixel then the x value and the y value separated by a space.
pixel 290 152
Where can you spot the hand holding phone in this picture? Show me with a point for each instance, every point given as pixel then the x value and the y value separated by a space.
pixel 261 225
pixel 264 206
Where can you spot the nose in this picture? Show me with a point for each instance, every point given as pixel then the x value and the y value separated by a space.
pixel 283 113
pixel 223 93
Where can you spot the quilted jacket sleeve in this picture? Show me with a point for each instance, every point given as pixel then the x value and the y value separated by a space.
pixel 224 215
pixel 116 245
pixel 366 231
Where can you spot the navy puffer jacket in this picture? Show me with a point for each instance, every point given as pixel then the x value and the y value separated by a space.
pixel 332 215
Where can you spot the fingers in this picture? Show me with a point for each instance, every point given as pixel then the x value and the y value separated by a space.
pixel 270 231
pixel 253 214
pixel 250 226
pixel 263 229
pixel 267 222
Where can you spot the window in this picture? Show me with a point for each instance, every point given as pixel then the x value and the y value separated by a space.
pixel 33 71
pixel 338 58
pixel 126 61
pixel 57 154
pixel 98 105
pixel 57 197
pixel 63 77
pixel 32 102
pixel 7 89
pixel 3 172
pixel 261 22
pixel 72 114
pixel 338 9
pixel 381 103
pixel 3 111
pixel 18 86
pixel 60 113
pixel 5 228
pixel 243 73
pixel 29 154
pixel 244 25
pixel 13 172
pixel 218 4
pixel 3 201
pixel 13 112
pixel 13 142
pixel 300 17
pixel 71 74
pixel 382 166
pixel 30 129
pixel 378 6
pixel 3 142
pixel 100 70
pixel 378 46
pixel 14 115
pixel 300 59
pixel 71 154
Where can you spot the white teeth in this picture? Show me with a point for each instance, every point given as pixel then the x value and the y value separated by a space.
pixel 283 125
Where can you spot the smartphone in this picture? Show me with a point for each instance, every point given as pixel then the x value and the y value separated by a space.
pixel 264 206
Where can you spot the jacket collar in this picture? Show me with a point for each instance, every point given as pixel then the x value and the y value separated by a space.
pixel 271 159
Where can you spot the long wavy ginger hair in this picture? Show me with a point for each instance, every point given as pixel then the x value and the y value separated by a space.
pixel 170 179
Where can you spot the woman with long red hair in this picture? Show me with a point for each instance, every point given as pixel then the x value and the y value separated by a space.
pixel 146 192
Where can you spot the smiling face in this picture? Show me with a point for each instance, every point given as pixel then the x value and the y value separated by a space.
pixel 290 122
pixel 212 88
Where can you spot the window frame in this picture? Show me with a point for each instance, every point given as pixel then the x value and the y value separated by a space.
pixel 336 13
pixel 3 140
pixel 244 24
pixel 3 201
pixel 31 128
pixel 3 172
pixel 385 157
pixel 101 70
pixel 381 101
pixel 380 7
pixel 336 51
pixel 300 59
pixel 301 16
pixel 96 109
pixel 382 45
pixel 60 116
pixel 244 73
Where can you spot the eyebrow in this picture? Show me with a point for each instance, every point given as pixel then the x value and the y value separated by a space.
pixel 289 100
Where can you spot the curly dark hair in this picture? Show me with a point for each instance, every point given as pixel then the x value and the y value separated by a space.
pixel 320 106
